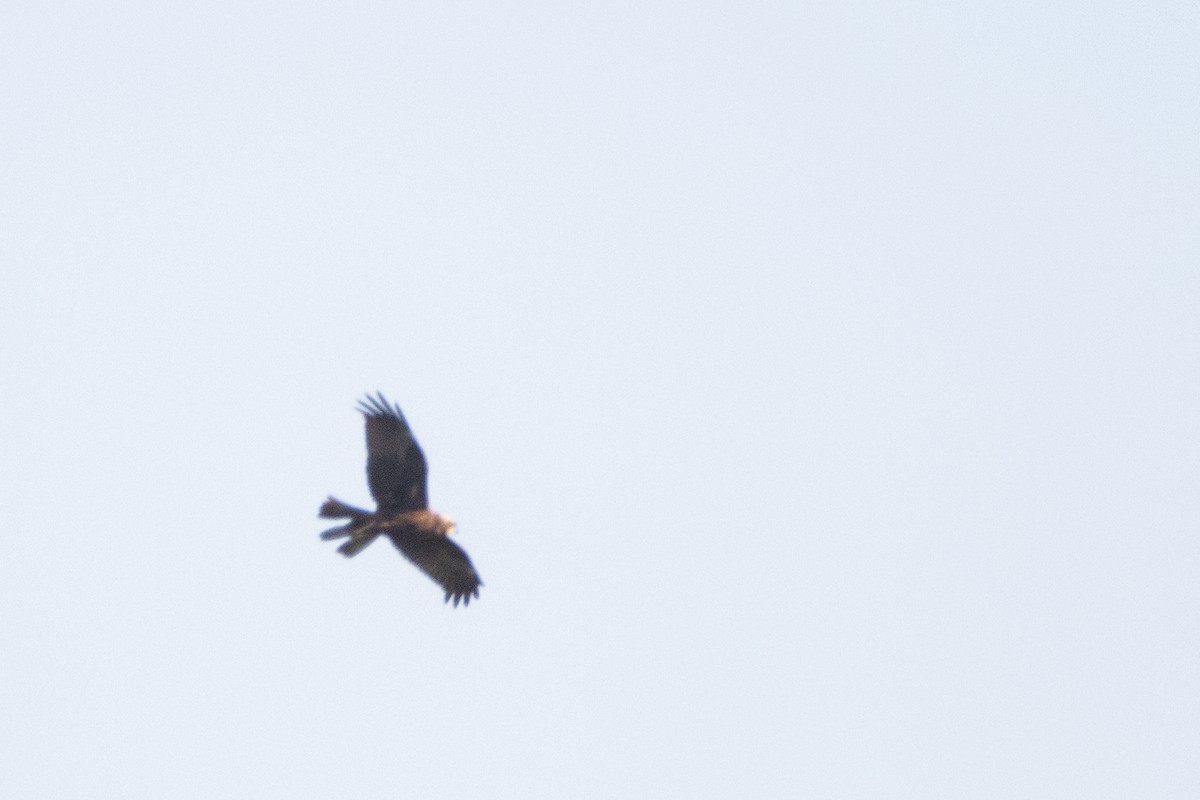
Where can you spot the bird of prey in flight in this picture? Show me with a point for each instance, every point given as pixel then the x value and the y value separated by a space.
pixel 396 476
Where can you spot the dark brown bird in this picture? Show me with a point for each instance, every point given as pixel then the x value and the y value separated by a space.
pixel 396 476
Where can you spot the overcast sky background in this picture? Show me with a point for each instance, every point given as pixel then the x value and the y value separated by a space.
pixel 815 388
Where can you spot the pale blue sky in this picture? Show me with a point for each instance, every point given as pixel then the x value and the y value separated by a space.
pixel 816 389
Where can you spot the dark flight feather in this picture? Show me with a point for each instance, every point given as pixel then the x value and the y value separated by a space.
pixel 442 560
pixel 396 470
pixel 396 476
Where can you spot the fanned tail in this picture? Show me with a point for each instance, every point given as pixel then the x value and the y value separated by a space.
pixel 333 508
pixel 358 530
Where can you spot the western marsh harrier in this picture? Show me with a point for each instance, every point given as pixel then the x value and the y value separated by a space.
pixel 396 475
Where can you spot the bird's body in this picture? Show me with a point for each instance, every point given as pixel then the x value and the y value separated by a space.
pixel 396 474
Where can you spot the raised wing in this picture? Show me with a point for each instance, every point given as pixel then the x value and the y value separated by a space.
pixel 442 560
pixel 395 464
